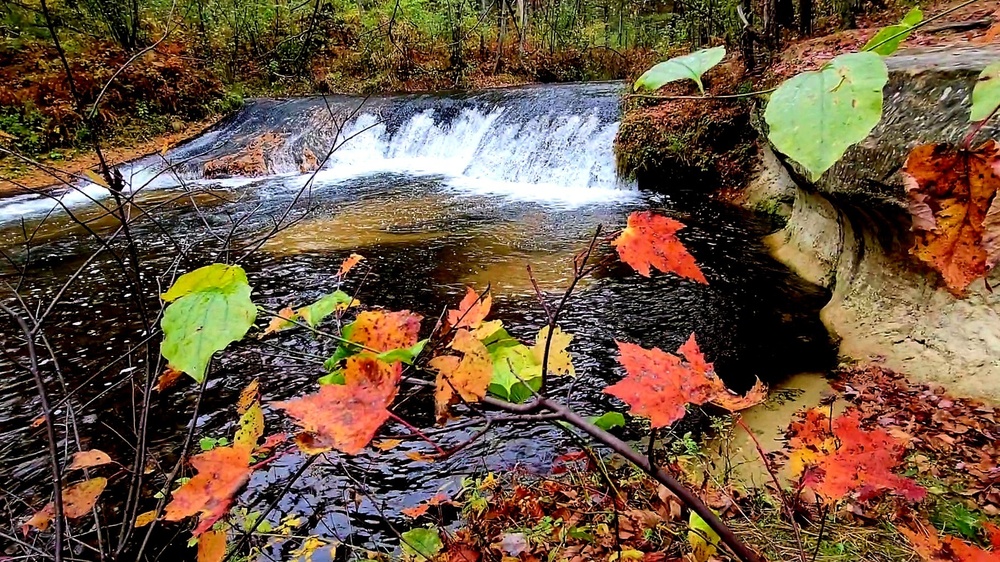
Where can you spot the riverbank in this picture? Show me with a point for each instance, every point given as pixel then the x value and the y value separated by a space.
pixel 21 175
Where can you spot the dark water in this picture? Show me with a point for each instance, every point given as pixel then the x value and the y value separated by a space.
pixel 427 234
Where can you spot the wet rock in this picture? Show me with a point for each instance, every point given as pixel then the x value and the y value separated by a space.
pixel 849 232
pixel 253 161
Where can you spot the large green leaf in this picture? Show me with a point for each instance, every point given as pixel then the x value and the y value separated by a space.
pixel 319 310
pixel 898 32
pixel 516 374
pixel 815 117
pixel 690 66
pixel 986 94
pixel 421 544
pixel 404 354
pixel 211 308
pixel 215 276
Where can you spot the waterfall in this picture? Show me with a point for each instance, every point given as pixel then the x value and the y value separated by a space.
pixel 543 143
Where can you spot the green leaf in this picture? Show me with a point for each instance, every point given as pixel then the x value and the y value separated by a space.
pixel 986 94
pixel 336 377
pixel 910 20
pixel 511 366
pixel 815 117
pixel 319 310
pixel 344 350
pixel 421 544
pixel 215 276
pixel 702 538
pixel 209 311
pixel 609 420
pixel 678 68
pixel 406 355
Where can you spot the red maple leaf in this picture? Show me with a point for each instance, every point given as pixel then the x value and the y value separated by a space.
pixel 658 385
pixel 650 241
pixel 839 459
pixel 385 331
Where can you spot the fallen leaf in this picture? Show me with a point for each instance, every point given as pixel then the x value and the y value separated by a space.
pixel 145 518
pixel 387 444
pixel 88 459
pixel 248 397
pixel 650 241
pixel 469 376
pixel 950 191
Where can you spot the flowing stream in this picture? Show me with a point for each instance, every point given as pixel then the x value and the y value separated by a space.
pixel 438 193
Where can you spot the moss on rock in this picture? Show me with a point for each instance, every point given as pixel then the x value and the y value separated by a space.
pixel 704 142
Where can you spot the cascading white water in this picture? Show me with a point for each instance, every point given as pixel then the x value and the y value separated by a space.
pixel 552 145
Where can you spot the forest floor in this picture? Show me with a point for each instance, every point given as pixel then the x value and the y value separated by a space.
pixel 597 508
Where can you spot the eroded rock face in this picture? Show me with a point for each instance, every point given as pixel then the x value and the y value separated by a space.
pixel 849 231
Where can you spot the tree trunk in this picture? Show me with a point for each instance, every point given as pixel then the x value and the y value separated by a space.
pixel 805 17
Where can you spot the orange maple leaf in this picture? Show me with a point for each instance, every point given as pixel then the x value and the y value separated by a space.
pixel 950 190
pixel 469 376
pixel 349 264
pixel 282 321
pixel 932 547
pixel 344 416
pixel 212 547
pixel 385 331
pixel 77 501
pixel 209 493
pixel 848 459
pixel 650 240
pixel 471 311
pixel 658 385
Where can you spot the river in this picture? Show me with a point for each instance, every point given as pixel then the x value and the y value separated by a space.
pixel 438 193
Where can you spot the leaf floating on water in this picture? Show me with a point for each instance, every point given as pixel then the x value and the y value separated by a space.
pixel 222 472
pixel 77 501
pixel 249 396
pixel 349 264
pixel 89 459
pixel 659 385
pixel 471 311
pixel 145 518
pixel 957 229
pixel 650 241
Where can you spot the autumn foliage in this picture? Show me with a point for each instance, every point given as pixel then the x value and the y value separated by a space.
pixel 956 214
pixel 650 241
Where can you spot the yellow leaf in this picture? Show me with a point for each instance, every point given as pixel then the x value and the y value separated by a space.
pixel 387 444
pixel 145 518
pixel 560 361
pixel 282 321
pixel 251 428
pixel 88 459
pixel 702 538
pixel 212 546
pixel 626 554
pixel 248 396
